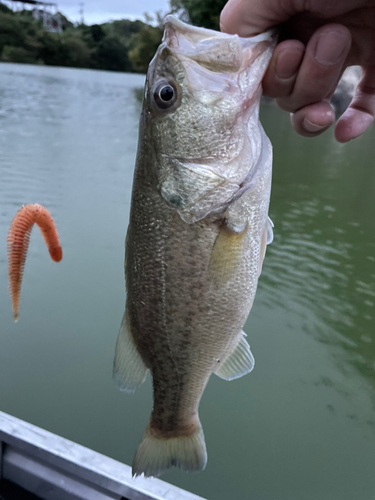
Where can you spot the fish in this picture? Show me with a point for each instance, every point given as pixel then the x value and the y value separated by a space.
pixel 18 244
pixel 197 233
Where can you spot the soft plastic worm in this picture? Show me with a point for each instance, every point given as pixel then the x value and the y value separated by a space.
pixel 18 243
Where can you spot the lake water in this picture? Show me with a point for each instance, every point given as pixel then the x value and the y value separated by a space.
pixel 301 426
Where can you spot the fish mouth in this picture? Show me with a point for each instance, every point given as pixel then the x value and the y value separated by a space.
pixel 212 60
pixel 215 50
pixel 196 34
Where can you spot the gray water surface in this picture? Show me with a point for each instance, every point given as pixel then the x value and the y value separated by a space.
pixel 301 426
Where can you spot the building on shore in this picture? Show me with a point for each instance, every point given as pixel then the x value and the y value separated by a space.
pixel 47 12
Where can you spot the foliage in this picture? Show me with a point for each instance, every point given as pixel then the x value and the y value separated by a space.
pixel 125 29
pixel 74 52
pixel 17 54
pixel 200 13
pixel 11 32
pixel 5 9
pixel 111 54
pixel 122 45
pixel 145 44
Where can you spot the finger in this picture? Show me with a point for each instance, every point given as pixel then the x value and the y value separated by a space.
pixel 251 17
pixel 283 68
pixel 361 111
pixel 314 119
pixel 321 67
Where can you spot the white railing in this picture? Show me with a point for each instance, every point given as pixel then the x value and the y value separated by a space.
pixel 51 467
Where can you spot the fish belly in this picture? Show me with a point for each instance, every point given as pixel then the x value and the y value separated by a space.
pixel 183 316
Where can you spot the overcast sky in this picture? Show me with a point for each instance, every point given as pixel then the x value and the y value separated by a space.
pixel 99 11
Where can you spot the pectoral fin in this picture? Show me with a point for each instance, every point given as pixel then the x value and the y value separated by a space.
pixel 270 227
pixel 194 190
pixel 226 253
pixel 129 371
pixel 267 239
pixel 239 363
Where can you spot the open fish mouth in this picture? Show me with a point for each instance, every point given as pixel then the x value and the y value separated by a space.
pixel 214 50
pixel 217 52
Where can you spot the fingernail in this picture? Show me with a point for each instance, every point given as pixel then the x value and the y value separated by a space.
pixel 287 63
pixel 330 47
pixel 312 127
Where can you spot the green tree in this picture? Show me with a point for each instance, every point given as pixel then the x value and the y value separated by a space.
pixel 11 31
pixel 17 55
pixel 97 33
pixel 201 13
pixel 50 48
pixel 111 54
pixel 5 9
pixel 125 29
pixel 122 45
pixel 144 46
pixel 74 52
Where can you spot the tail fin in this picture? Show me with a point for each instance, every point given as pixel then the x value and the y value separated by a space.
pixel 156 454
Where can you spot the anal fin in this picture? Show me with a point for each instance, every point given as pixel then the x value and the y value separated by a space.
pixel 267 239
pixel 129 371
pixel 239 363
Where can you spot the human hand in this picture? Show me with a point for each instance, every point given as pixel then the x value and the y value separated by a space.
pixel 318 40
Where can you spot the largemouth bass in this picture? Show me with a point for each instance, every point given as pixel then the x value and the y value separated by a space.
pixel 197 234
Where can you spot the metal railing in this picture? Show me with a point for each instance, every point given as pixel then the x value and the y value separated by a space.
pixel 52 467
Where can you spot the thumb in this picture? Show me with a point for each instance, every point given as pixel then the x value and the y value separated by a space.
pixel 251 17
pixel 361 111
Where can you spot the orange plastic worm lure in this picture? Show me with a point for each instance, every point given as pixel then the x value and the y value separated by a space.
pixel 18 243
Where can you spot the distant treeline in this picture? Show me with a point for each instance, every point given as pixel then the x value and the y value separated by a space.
pixel 117 46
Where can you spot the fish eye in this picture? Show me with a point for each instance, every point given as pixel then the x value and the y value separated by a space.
pixel 165 94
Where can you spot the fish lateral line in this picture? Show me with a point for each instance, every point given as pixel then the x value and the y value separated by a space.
pixel 18 244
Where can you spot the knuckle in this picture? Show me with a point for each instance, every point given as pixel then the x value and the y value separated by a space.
pixel 286 104
pixel 277 91
pixel 369 90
